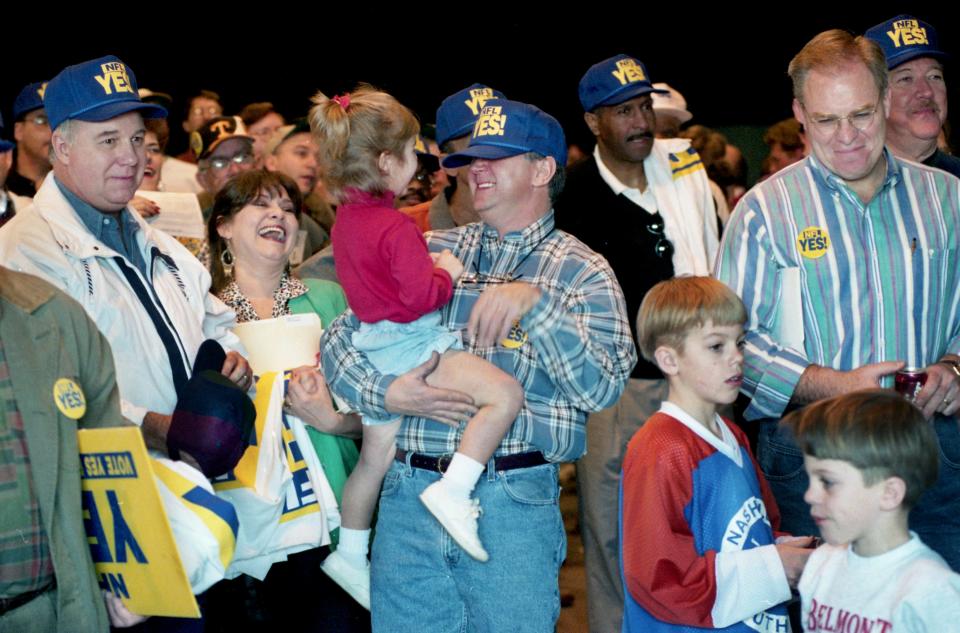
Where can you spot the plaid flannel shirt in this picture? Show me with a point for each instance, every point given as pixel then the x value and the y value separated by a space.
pixel 572 352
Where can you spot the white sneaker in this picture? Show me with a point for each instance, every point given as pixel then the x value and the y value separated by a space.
pixel 457 516
pixel 354 580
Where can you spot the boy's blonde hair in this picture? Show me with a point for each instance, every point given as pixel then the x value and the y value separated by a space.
pixel 877 431
pixel 352 130
pixel 676 306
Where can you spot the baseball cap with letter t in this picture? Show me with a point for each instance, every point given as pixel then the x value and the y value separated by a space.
pixel 507 128
pixel 97 90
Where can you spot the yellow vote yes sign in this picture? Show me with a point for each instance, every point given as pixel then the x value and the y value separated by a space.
pixel 127 528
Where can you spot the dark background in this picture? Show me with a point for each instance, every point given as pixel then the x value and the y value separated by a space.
pixel 729 64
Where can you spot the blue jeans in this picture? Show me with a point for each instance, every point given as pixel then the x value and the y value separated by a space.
pixel 422 581
pixel 936 518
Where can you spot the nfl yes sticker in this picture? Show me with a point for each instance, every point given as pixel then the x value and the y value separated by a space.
pixel 69 398
pixel 813 242
pixel 515 338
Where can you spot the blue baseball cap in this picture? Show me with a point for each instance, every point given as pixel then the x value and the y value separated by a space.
pixel 5 145
pixel 97 90
pixel 214 419
pixel 507 128
pixel 614 81
pixel 457 113
pixel 29 99
pixel 904 38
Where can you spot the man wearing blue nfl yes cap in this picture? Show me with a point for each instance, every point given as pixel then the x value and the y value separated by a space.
pixel 32 134
pixel 645 205
pixel 541 306
pixel 455 118
pixel 147 294
pixel 918 90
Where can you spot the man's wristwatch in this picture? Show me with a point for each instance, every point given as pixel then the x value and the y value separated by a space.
pixel 952 364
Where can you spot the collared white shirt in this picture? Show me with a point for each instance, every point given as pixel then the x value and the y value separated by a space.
pixel 644 198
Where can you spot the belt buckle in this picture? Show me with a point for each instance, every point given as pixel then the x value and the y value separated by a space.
pixel 443 462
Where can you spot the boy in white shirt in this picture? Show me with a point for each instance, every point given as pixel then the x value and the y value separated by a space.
pixel 870 455
pixel 698 524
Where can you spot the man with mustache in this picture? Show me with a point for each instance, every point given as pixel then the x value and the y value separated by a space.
pixel 646 206
pixel 918 92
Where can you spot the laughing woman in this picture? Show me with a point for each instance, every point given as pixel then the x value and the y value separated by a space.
pixel 251 232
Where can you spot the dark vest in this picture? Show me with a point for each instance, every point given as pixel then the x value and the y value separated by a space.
pixel 619 230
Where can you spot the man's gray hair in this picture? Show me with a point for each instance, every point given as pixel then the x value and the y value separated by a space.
pixel 557 182
pixel 65 130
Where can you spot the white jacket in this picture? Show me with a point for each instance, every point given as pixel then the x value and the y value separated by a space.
pixel 679 183
pixel 49 240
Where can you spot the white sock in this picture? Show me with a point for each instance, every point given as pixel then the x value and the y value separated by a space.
pixel 354 545
pixel 462 474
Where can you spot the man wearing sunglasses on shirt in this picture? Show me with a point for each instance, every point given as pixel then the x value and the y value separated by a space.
pixel 645 205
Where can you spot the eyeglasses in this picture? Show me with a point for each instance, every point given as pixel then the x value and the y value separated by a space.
pixel 209 111
pixel 480 280
pixel 219 164
pixel 829 125
pixel 663 247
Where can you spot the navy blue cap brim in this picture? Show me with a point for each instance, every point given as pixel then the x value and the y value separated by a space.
pixel 107 111
pixel 895 61
pixel 6 146
pixel 491 152
pixel 464 130
pixel 630 92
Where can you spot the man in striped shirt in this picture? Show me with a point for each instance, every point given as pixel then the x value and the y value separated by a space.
pixel 847 263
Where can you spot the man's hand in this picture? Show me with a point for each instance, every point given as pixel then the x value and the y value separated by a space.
pixel 410 394
pixel 497 309
pixel 940 392
pixel 818 382
pixel 237 369
pixel 154 430
pixel 120 616
pixel 145 207
pixel 309 399
pixel 794 554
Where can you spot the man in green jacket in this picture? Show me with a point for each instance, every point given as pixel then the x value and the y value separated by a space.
pixel 56 375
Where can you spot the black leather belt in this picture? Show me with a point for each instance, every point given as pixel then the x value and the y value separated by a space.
pixel 9 604
pixel 439 463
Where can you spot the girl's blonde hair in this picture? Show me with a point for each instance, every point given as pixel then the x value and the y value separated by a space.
pixel 352 130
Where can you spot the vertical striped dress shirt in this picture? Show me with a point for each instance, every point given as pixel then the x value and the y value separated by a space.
pixel 878 281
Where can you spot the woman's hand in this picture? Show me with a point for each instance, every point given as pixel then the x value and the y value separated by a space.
pixel 309 399
pixel 145 207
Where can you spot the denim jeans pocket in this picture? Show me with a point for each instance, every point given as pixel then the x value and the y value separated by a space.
pixel 777 453
pixel 948 437
pixel 391 481
pixel 532 486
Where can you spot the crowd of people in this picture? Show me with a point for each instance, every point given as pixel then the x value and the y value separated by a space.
pixel 494 303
